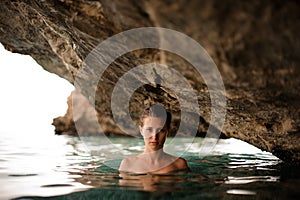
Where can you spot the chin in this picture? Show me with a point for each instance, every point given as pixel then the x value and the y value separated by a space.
pixel 156 148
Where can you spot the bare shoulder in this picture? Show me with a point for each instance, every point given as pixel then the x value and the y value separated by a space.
pixel 127 163
pixel 181 164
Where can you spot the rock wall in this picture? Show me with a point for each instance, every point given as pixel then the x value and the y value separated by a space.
pixel 254 44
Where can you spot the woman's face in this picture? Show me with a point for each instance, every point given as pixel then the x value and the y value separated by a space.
pixel 154 132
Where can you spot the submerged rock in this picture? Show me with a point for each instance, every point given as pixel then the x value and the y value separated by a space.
pixel 254 44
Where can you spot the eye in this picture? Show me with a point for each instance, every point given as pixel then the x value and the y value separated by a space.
pixel 148 130
pixel 158 130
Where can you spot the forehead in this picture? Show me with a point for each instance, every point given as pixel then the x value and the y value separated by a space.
pixel 154 122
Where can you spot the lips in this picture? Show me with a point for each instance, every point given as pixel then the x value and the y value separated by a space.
pixel 154 143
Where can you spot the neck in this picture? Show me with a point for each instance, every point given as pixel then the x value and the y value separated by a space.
pixel 154 155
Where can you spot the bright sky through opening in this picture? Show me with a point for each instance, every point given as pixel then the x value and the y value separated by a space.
pixel 30 96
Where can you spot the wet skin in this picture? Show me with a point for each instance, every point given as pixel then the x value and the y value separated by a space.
pixel 153 160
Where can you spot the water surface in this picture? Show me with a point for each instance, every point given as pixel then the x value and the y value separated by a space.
pixel 63 167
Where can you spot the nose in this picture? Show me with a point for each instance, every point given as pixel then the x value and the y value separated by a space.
pixel 154 136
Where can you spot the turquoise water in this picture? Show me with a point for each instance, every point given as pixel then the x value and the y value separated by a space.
pixel 64 167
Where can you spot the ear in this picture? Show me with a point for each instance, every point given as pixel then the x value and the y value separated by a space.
pixel 167 134
pixel 140 127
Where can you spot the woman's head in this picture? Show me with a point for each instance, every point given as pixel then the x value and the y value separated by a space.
pixel 154 126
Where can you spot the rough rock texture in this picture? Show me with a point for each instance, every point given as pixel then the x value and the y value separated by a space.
pixel 83 118
pixel 255 45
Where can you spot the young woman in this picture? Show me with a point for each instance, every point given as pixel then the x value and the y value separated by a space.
pixel 154 127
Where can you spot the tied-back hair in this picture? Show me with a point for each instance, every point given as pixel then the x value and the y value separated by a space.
pixel 159 112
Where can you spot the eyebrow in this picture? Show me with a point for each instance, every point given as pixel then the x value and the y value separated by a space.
pixel 152 126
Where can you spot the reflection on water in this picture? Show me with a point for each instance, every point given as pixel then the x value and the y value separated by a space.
pixel 60 167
